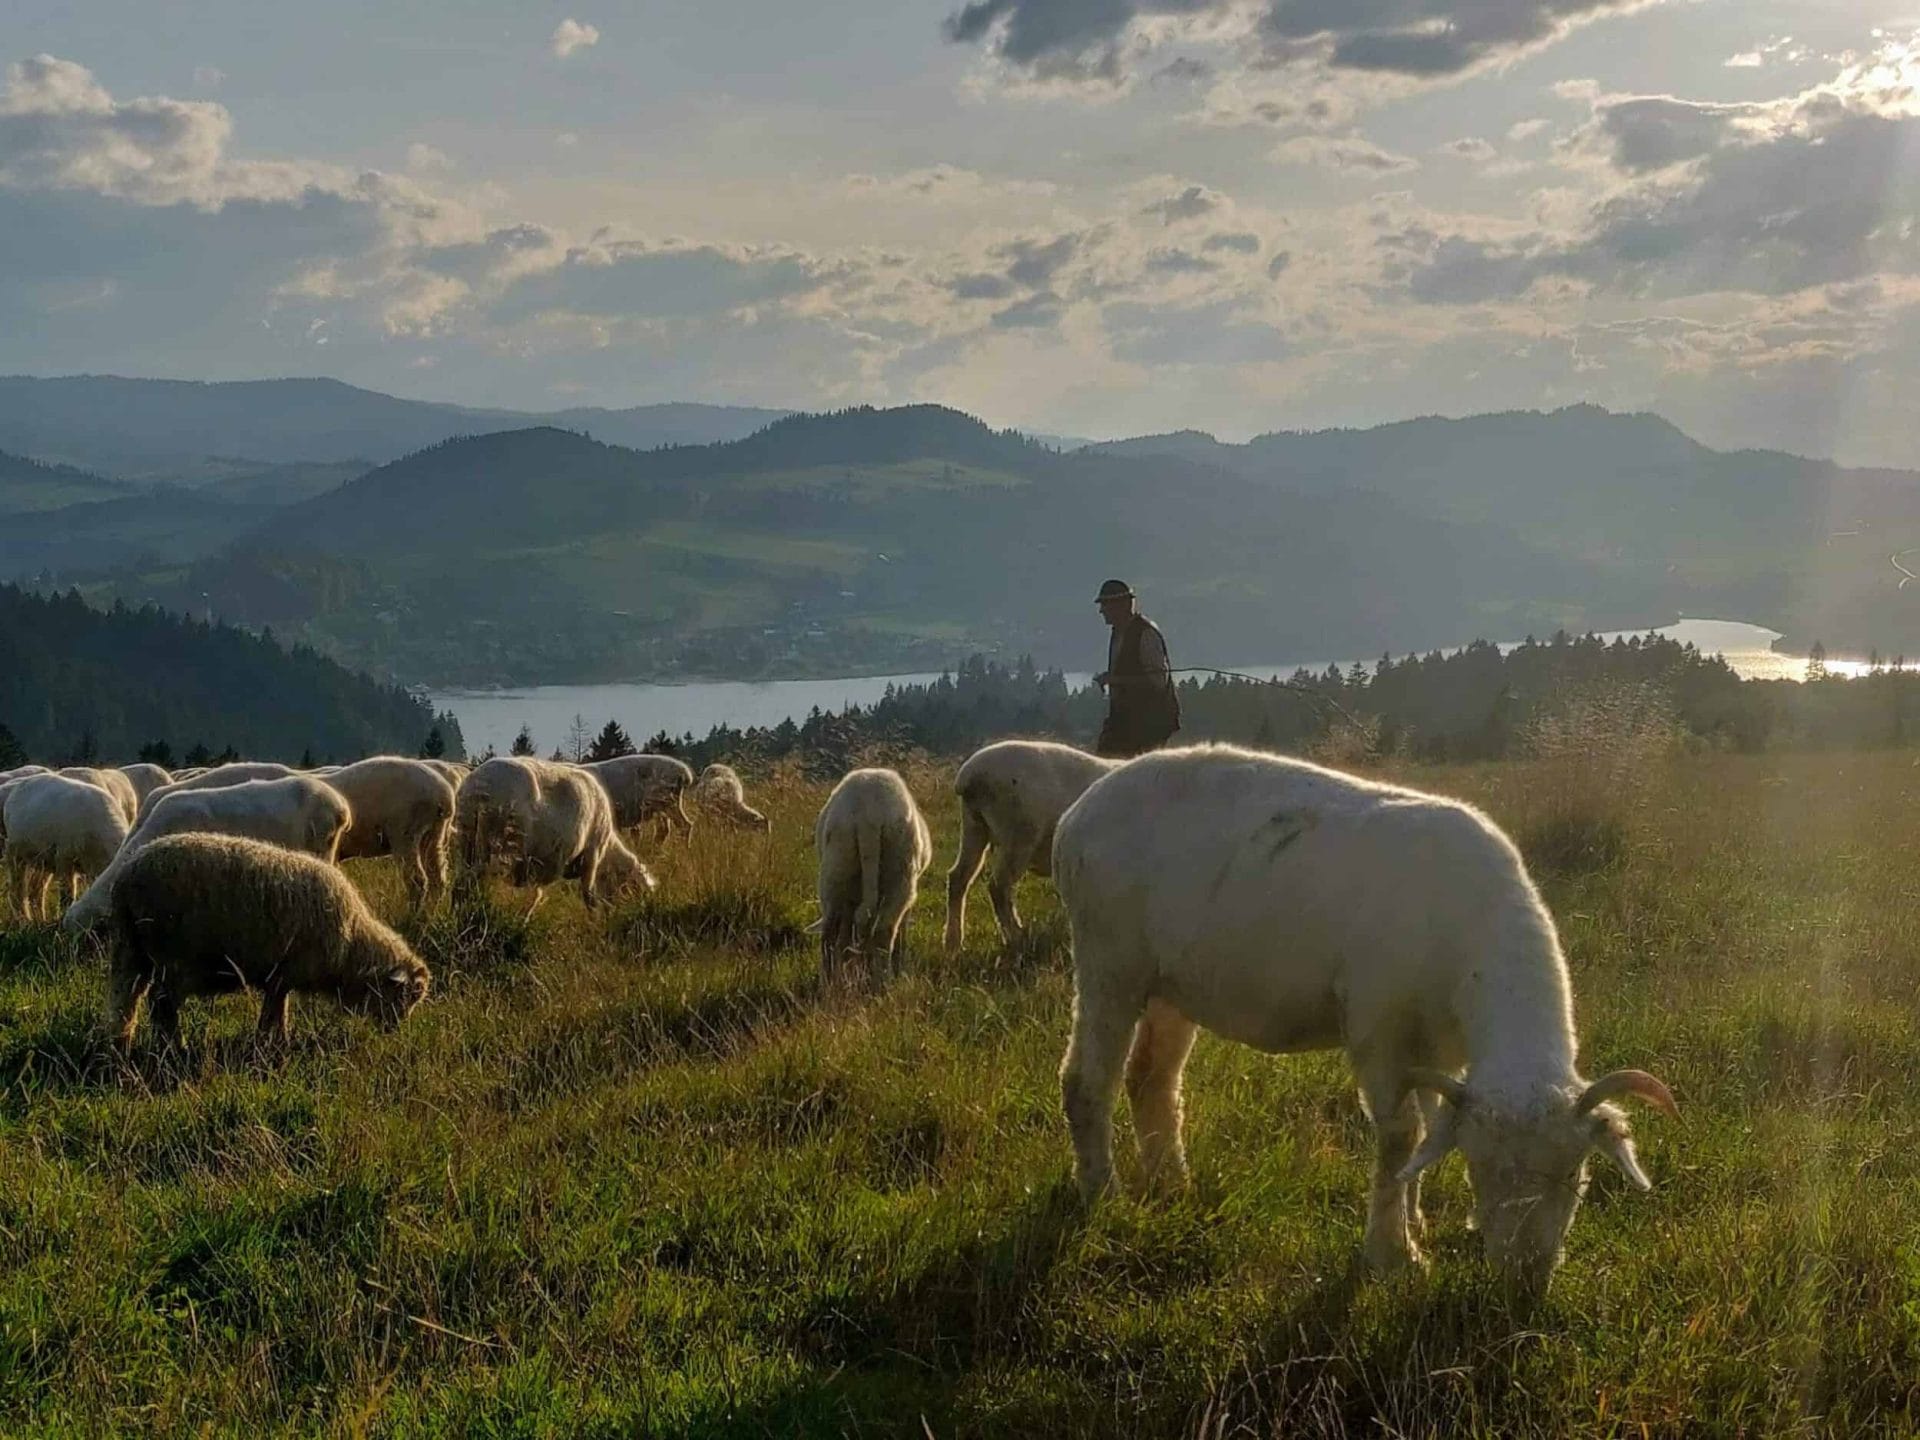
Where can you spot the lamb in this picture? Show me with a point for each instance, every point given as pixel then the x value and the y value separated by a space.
pixel 211 914
pixel 400 807
pixel 113 782
pixel 646 788
pixel 566 827
pixel 719 793
pixel 217 778
pixel 295 813
pixel 1294 908
pixel 145 778
pixel 874 847
pixel 1012 795
pixel 58 827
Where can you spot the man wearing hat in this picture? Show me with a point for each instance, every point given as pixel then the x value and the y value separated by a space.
pixel 1143 709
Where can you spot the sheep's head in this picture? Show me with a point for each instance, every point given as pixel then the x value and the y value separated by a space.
pixel 622 873
pixel 393 984
pixel 1529 1165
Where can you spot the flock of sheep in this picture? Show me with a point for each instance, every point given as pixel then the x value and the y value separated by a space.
pixel 1278 903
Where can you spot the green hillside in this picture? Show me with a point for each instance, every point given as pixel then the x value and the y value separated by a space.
pixel 29 486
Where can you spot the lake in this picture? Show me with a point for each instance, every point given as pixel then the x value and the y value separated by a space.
pixel 494 717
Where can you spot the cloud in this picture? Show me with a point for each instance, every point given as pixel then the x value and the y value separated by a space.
pixel 1039 311
pixel 947 184
pixel 570 36
pixel 1242 242
pixel 1770 198
pixel 1213 333
pixel 422 156
pixel 1034 263
pixel 1351 153
pixel 1171 260
pixel 1277 266
pixel 1190 204
pixel 1527 129
pixel 1471 147
pixel 61 130
pixel 1100 43
pixel 208 77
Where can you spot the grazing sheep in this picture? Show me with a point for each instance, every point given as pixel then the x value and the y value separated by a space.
pixel 1294 908
pixel 400 807
pixel 113 782
pixel 212 914
pixel 874 847
pixel 720 794
pixel 21 772
pixel 217 778
pixel 1012 794
pixel 566 827
pixel 145 778
pixel 485 803
pixel 295 813
pixel 646 788
pixel 58 828
pixel 452 771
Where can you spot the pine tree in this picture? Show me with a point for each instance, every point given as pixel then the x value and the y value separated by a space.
pixel 88 750
pixel 307 762
pixel 157 752
pixel 199 755
pixel 12 752
pixel 435 746
pixel 610 743
pixel 523 742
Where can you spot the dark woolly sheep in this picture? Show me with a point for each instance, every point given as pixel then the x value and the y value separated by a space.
pixel 212 914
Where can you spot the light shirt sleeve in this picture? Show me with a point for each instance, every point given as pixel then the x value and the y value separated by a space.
pixel 1153 653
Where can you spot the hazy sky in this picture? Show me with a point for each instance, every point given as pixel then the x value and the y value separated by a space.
pixel 1094 217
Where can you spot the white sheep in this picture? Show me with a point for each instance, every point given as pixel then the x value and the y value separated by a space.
pixel 873 847
pixel 145 778
pixel 401 807
pixel 452 771
pixel 1294 908
pixel 566 827
pixel 58 828
pixel 719 793
pixel 485 803
pixel 20 772
pixel 1012 795
pixel 216 778
pixel 112 781
pixel 295 812
pixel 646 788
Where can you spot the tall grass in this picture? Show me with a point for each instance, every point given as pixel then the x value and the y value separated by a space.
pixel 636 1173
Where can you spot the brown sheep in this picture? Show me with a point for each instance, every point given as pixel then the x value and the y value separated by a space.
pixel 212 914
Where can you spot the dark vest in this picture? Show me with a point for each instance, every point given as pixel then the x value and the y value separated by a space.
pixel 1139 717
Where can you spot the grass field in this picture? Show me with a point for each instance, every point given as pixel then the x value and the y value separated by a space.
pixel 638 1175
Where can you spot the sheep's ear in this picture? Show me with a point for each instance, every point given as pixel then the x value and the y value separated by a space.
pixel 399 975
pixel 1434 1148
pixel 1612 1140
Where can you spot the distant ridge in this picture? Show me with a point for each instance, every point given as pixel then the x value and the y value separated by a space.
pixel 134 427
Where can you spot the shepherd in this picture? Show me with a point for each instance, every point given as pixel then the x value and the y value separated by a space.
pixel 1143 708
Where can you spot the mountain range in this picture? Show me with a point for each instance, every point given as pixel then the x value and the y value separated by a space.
pixel 881 540
pixel 177 430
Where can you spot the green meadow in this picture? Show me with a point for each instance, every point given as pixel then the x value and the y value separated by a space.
pixel 637 1173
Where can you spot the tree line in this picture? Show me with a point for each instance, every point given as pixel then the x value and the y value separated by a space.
pixel 79 685
pixel 1482 702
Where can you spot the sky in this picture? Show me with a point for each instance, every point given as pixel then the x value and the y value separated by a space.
pixel 1079 217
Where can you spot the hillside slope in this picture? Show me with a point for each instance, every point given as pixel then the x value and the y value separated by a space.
pixel 74 679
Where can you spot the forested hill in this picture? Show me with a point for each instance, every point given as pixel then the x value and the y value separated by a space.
pixel 78 683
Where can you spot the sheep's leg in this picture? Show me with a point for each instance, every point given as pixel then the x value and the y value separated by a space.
pixel 43 890
pixel 127 985
pixel 836 939
pixel 590 878
pixel 1089 1083
pixel 1161 1043
pixel 974 841
pixel 163 1009
pixel 1396 1126
pixel 1429 1104
pixel 436 845
pixel 413 867
pixel 1008 866
pixel 275 1024
pixel 890 913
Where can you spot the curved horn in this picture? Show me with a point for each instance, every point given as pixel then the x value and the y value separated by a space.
pixel 1637 1083
pixel 1444 1084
